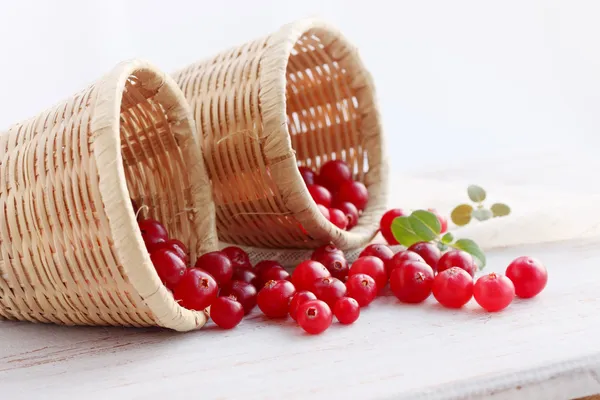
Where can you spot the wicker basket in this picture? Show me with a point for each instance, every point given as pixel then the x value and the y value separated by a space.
pixel 300 96
pixel 70 249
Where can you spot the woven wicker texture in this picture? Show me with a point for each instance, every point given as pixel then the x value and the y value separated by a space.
pixel 70 249
pixel 300 96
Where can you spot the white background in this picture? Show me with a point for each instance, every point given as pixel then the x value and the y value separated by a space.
pixel 455 79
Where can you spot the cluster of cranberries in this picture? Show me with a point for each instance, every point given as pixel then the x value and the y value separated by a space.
pixel 339 198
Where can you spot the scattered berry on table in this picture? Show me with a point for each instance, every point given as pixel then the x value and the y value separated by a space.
pixel 429 251
pixel 153 232
pixel 385 225
pixel 371 266
pixel 244 292
pixel 493 292
pixel 226 312
pixel 457 258
pixel 320 195
pixel 169 266
pixel 400 258
pixel 238 257
pixel 351 213
pixel 353 192
pixel 308 175
pixel 217 264
pixel 528 275
pixel 329 290
pixel 443 220
pixel 333 174
pixel 274 298
pixel 338 218
pixel 274 274
pixel 453 288
pixel 333 259
pixel 174 245
pixel 265 265
pixel 412 281
pixel 381 251
pixel 246 275
pixel 314 316
pixel 307 272
pixel 300 297
pixel 346 310
pixel 196 290
pixel 362 288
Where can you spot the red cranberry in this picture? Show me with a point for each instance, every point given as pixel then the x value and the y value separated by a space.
pixel 429 251
pixel 528 275
pixel 457 258
pixel 244 292
pixel 246 275
pixel 153 232
pixel 351 213
pixel 353 192
pixel 400 258
pixel 329 290
pixel 334 261
pixel 412 281
pixel 300 297
pixel 338 218
pixel 325 211
pixel 346 310
pixel 264 265
pixel 371 266
pixel 238 257
pixel 493 292
pixel 314 316
pixel 274 298
pixel 174 245
pixel 325 249
pixel 362 288
pixel 320 195
pixel 274 274
pixel 217 264
pixel 453 288
pixel 226 312
pixel 333 173
pixel 385 225
pixel 308 175
pixel 380 251
pixel 443 220
pixel 196 290
pixel 307 272
pixel 169 266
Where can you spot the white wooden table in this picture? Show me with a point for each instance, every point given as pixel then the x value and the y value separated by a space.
pixel 544 348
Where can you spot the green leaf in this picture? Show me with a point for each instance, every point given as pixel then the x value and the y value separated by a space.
pixel 403 231
pixel 425 224
pixel 482 214
pixel 447 238
pixel 500 209
pixel 473 249
pixel 476 193
pixel 461 215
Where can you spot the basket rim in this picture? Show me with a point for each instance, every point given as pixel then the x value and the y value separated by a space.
pixel 127 239
pixel 273 81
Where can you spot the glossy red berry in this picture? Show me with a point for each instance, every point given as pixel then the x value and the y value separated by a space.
pixel 338 218
pixel 244 292
pixel 325 249
pixel 329 290
pixel 333 173
pixel 174 245
pixel 528 275
pixel 353 192
pixel 400 258
pixel 411 282
pixel 196 290
pixel 274 274
pixel 380 251
pixel 457 258
pixel 217 264
pixel 307 272
pixel 320 195
pixel 308 175
pixel 246 275
pixel 274 298
pixel 453 288
pixel 265 265
pixel 226 312
pixel 153 232
pixel 346 310
pixel 325 211
pixel 371 266
pixel 385 225
pixel 351 213
pixel 443 220
pixel 362 288
pixel 169 266
pixel 494 292
pixel 314 316
pixel 334 261
pixel 300 297
pixel 238 257
pixel 429 251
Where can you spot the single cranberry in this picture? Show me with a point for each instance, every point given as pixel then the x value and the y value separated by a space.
pixel 333 173
pixel 494 292
pixel 362 288
pixel 308 175
pixel 274 274
pixel 351 213
pixel 244 292
pixel 412 281
pixel 217 264
pixel 314 316
pixel 346 310
pixel 174 245
pixel 329 290
pixel 353 192
pixel 226 312
pixel 400 258
pixel 264 265
pixel 457 258
pixel 443 220
pixel 153 232
pixel 380 251
pixel 385 225
pixel 325 249
pixel 300 297
pixel 246 275
pixel 238 257
pixel 169 266
pixel 453 288
pixel 274 298
pixel 307 272
pixel 320 195
pixel 338 218
pixel 429 251
pixel 333 259
pixel 196 290
pixel 325 211
pixel 528 275
pixel 371 266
